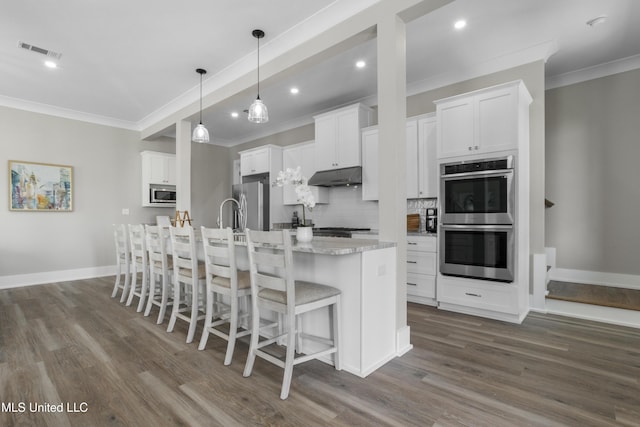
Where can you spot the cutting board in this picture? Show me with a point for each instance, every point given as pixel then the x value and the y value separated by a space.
pixel 413 222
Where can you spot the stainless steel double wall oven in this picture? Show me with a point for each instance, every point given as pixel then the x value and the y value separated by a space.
pixel 477 236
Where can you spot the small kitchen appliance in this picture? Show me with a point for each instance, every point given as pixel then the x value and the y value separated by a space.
pixel 431 221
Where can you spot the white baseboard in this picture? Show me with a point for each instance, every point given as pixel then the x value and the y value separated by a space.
pixel 403 345
pixel 616 316
pixel 616 280
pixel 20 280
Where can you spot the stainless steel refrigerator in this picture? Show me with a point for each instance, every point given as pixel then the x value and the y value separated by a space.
pixel 253 197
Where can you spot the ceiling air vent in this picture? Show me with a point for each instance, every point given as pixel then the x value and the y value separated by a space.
pixel 37 49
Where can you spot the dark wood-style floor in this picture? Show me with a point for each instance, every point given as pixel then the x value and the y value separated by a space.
pixel 71 343
pixel 607 296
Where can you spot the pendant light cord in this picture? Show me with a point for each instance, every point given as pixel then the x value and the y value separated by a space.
pixel 200 98
pixel 258 67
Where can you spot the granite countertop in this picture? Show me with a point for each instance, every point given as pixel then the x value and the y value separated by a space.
pixel 332 245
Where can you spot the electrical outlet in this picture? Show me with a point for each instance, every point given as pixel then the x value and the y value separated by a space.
pixel 125 211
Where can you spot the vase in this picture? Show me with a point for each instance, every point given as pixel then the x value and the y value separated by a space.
pixel 304 234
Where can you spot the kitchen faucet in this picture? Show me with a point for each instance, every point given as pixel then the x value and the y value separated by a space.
pixel 219 221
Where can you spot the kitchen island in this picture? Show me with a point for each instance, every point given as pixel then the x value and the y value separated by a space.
pixel 364 270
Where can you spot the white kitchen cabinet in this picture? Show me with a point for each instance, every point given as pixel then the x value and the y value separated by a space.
pixel 158 168
pixel 421 269
pixel 421 169
pixel 255 161
pixel 428 176
pixel 370 169
pixel 481 298
pixel 483 121
pixel 337 137
pixel 302 155
pixel 412 158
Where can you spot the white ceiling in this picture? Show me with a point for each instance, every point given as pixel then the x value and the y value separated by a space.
pixel 128 63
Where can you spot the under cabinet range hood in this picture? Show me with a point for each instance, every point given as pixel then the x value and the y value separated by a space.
pixel 337 177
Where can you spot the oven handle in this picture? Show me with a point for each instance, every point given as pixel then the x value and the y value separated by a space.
pixel 480 173
pixel 476 227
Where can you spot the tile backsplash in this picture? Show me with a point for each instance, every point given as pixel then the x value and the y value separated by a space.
pixel 419 206
pixel 347 209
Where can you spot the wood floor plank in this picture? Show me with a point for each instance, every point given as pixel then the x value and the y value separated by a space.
pixel 70 342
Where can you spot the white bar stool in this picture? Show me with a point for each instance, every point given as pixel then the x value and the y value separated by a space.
pixel 223 280
pixel 139 263
pixel 188 274
pixel 273 288
pixel 123 261
pixel 160 270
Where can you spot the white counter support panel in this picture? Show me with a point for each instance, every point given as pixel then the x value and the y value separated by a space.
pixel 367 282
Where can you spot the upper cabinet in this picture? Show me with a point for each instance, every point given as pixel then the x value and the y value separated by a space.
pixel 412 160
pixel 421 162
pixel 484 121
pixel 428 176
pixel 158 168
pixel 302 155
pixel 158 171
pixel 370 163
pixel 255 161
pixel 338 137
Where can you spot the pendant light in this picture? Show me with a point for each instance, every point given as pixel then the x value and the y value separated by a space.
pixel 258 111
pixel 200 133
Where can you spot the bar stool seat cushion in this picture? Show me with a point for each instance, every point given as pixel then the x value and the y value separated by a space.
pixel 306 292
pixel 187 272
pixel 244 280
pixel 169 262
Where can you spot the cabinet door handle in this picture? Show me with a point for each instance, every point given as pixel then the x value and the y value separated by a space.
pixel 475 147
pixel 411 284
pixel 470 148
pixel 412 262
pixel 473 295
pixel 411 243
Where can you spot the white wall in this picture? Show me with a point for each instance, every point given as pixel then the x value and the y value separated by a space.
pixel 593 176
pixel 39 247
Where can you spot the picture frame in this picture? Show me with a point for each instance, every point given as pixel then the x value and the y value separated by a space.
pixel 40 187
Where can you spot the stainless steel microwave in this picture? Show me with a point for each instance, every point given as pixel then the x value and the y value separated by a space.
pixel 162 194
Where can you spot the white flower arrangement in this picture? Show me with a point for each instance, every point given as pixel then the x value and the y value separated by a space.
pixel 303 192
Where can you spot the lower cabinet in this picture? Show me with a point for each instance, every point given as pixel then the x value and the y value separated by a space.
pixel 495 300
pixel 421 269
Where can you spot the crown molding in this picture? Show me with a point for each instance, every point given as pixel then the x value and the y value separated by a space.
pixel 541 51
pixel 594 72
pixel 51 110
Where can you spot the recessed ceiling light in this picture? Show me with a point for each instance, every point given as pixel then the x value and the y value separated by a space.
pixel 294 90
pixel 598 20
pixel 460 24
pixel 50 64
pixel 234 114
pixel 361 64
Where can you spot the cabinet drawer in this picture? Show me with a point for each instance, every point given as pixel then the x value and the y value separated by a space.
pixel 421 285
pixel 421 243
pixel 494 297
pixel 421 262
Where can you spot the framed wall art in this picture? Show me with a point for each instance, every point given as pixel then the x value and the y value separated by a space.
pixel 40 187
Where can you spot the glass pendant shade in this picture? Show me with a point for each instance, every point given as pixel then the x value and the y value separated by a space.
pixel 258 112
pixel 200 134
